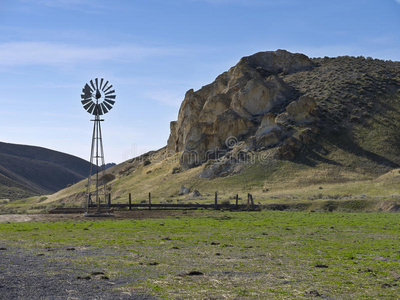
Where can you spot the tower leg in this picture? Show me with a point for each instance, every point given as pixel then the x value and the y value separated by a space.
pixel 96 157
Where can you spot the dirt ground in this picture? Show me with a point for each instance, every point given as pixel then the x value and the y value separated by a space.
pixel 117 215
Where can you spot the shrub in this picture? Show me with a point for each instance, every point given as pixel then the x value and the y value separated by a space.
pixel 176 170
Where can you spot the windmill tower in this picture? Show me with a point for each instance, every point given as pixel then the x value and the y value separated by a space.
pixel 98 98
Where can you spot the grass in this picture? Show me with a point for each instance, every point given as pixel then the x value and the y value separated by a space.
pixel 268 255
pixel 268 185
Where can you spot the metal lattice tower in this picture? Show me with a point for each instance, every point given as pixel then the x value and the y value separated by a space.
pixel 97 99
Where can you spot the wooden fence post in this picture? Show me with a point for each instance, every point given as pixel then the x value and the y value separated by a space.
pixel 109 200
pixel 248 201
pixel 237 200
pixel 149 201
pixel 216 200
pixel 252 202
pixel 130 201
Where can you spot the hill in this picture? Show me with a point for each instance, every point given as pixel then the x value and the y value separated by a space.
pixel 282 126
pixel 27 170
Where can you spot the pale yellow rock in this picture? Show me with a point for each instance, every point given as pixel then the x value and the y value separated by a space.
pixel 231 106
pixel 171 144
pixel 259 96
pixel 268 140
pixel 282 118
pixel 214 106
pixel 231 125
pixel 267 125
pixel 301 110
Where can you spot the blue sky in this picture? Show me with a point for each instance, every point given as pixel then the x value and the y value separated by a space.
pixel 153 51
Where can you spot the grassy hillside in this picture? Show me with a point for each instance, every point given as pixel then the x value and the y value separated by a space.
pixel 354 153
pixel 27 171
pixel 315 185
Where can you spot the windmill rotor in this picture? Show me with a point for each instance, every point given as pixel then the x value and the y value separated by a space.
pixel 98 98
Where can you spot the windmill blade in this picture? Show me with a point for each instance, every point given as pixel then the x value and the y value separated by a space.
pixel 97 83
pixel 110 97
pixel 104 108
pixel 86 101
pixel 91 83
pixel 90 110
pixel 105 86
pixel 110 92
pixel 99 110
pixel 109 101
pixel 90 107
pixel 87 105
pixel 101 83
pixel 96 110
pixel 107 105
pixel 87 92
pixel 88 87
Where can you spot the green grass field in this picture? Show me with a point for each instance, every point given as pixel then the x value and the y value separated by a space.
pixel 239 255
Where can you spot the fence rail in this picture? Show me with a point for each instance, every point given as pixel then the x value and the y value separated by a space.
pixel 171 205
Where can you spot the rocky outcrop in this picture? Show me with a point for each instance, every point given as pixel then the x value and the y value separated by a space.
pixel 251 103
pixel 259 96
pixel 301 111
pixel 183 191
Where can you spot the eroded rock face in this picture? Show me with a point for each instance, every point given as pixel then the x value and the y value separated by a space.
pixel 259 96
pixel 267 125
pixel 247 104
pixel 172 140
pixel 301 111
pixel 280 61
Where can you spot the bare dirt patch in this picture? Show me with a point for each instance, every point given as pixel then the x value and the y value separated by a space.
pixel 118 215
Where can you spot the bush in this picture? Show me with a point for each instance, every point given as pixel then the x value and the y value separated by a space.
pixel 146 162
pixel 176 170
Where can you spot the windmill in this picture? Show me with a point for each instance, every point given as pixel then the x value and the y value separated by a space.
pixel 98 98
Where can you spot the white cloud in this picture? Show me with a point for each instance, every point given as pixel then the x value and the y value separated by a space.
pixel 52 54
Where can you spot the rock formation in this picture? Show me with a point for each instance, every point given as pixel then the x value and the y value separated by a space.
pixel 250 103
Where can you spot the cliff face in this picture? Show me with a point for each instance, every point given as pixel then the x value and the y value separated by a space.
pixel 250 103
pixel 291 107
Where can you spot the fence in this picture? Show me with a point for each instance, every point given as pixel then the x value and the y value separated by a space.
pixel 149 205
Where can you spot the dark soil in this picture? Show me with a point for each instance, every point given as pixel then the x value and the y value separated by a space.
pixel 34 276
